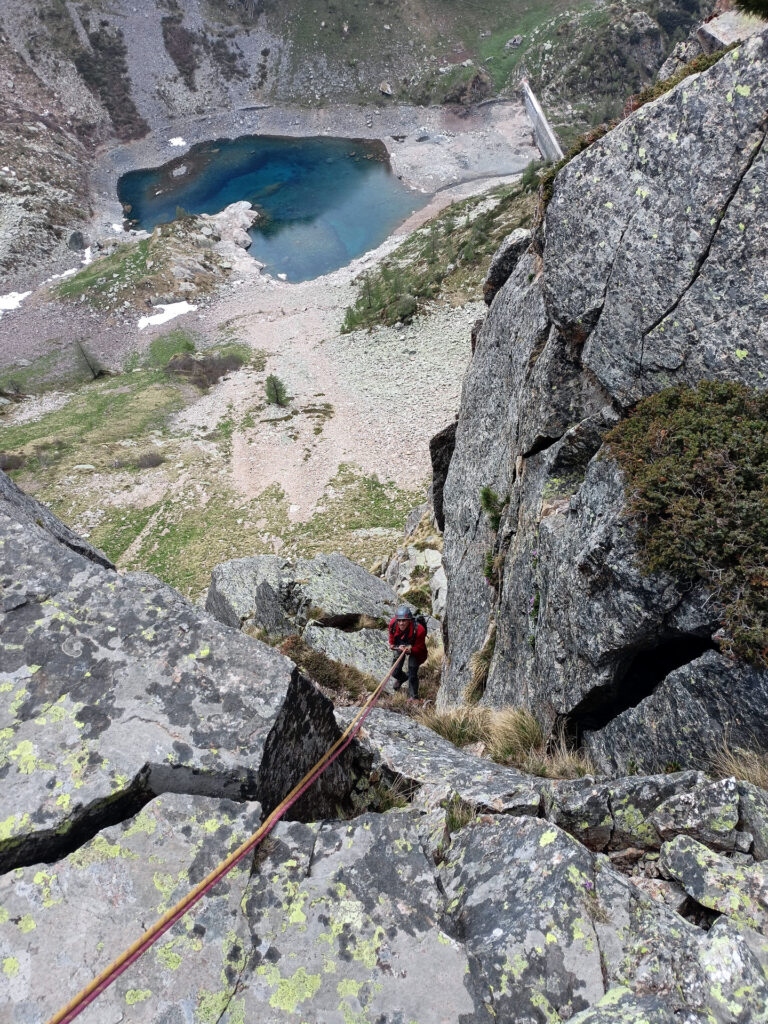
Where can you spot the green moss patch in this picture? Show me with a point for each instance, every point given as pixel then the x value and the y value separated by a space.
pixel 696 462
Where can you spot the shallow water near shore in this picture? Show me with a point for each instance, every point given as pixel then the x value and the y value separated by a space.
pixel 323 201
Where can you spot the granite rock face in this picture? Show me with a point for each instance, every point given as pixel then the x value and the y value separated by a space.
pixel 504 262
pixel 280 596
pixel 115 689
pixel 63 922
pixel 647 273
pixel 367 650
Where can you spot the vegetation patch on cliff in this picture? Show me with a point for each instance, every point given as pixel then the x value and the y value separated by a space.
pixel 696 462
pixel 510 737
pixel 448 258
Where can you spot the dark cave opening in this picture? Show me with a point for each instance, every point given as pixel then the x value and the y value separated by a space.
pixel 636 678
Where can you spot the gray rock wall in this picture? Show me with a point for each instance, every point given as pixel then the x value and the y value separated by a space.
pixel 648 271
pixel 114 689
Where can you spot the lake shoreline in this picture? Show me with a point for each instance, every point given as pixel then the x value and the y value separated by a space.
pixel 430 148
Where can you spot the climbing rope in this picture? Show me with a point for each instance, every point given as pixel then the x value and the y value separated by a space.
pixel 76 1006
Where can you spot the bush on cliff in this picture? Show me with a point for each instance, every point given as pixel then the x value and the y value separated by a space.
pixel 697 467
pixel 757 7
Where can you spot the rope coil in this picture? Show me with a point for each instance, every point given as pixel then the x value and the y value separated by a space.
pixel 129 956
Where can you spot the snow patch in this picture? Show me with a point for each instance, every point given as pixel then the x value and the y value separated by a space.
pixel 58 277
pixel 12 301
pixel 178 141
pixel 88 256
pixel 168 313
pixel 117 228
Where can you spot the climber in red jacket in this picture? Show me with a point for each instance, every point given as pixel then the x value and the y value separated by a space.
pixel 408 634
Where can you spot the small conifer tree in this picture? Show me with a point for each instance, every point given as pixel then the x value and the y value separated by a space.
pixel 276 393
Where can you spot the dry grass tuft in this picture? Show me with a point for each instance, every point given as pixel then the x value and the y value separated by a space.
pixel 511 737
pixel 458 814
pixel 480 666
pixel 328 674
pixel 460 726
pixel 740 763
pixel 558 760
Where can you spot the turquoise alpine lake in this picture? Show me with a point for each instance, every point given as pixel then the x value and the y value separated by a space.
pixel 322 202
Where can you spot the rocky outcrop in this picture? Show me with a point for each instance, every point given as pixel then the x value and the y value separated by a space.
pixel 114 690
pixel 63 921
pixel 504 262
pixel 280 596
pixel 415 570
pixel 646 274
pixel 137 735
pixel 528 949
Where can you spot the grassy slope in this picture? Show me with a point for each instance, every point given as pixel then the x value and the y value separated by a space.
pixel 585 56
pixel 446 259
pixel 181 517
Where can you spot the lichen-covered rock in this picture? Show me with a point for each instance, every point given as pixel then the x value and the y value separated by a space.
pixel 504 262
pixel 62 923
pixel 280 596
pixel 709 814
pixel 739 891
pixel 365 649
pixel 620 813
pixel 688 717
pixel 550 929
pixel 648 275
pixel 620 1006
pixel 345 921
pixel 753 817
pixel 415 754
pixel 114 689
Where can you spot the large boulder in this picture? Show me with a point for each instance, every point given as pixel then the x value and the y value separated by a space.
pixel 409 752
pixel 648 274
pixel 280 596
pixel 62 923
pixel 114 689
pixel 367 650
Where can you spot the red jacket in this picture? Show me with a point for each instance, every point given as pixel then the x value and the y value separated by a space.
pixel 414 636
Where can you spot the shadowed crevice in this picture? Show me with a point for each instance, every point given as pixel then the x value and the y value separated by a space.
pixel 636 677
